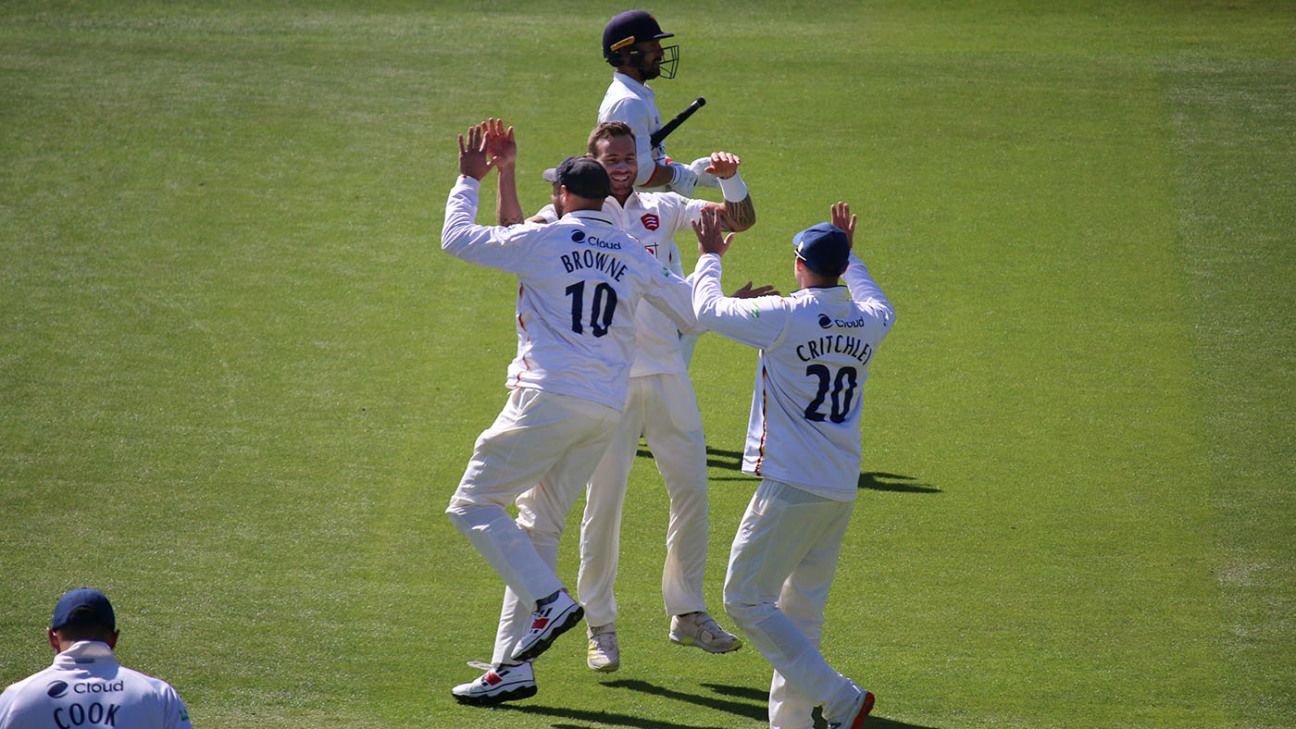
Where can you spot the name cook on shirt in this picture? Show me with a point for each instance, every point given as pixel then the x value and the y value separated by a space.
pixel 74 715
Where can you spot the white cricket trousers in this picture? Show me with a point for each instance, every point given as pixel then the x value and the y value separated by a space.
pixel 664 409
pixel 543 444
pixel 780 568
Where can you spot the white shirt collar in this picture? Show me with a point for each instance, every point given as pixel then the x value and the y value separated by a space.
pixel 83 652
pixel 631 200
pixel 634 85
pixel 594 215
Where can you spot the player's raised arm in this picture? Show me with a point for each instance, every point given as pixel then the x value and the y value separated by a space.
pixel 460 235
pixel 757 322
pixel 840 216
pixel 737 213
pixel 857 277
pixel 473 161
pixel 501 148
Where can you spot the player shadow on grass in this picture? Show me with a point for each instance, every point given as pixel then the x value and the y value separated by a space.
pixel 716 458
pixel 598 718
pixel 874 480
pixel 894 482
pixel 753 705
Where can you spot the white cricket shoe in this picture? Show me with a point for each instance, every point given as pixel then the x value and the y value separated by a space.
pixel 603 654
pixel 551 619
pixel 859 712
pixel 699 629
pixel 500 684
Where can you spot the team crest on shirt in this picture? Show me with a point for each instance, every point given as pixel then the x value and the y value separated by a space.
pixel 650 221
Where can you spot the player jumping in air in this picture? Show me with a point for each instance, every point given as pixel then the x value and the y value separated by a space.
pixel 579 282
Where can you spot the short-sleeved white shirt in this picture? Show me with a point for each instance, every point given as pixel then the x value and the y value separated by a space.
pixel 580 281
pixel 87 687
pixel 632 102
pixel 815 349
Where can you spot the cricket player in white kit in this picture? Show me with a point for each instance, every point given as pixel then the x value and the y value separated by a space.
pixel 803 441
pixel 86 686
pixel 580 280
pixel 632 45
pixel 661 407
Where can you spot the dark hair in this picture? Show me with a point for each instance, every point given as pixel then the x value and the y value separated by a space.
pixel 85 631
pixel 609 130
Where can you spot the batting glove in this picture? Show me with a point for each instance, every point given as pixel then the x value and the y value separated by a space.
pixel 683 179
pixel 704 178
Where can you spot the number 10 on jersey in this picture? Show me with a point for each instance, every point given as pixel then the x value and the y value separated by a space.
pixel 602 308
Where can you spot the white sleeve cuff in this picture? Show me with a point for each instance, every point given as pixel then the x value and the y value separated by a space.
pixel 734 189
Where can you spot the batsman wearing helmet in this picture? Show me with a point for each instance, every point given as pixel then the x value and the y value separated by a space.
pixel 632 45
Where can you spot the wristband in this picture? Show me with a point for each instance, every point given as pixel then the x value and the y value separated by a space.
pixel 734 189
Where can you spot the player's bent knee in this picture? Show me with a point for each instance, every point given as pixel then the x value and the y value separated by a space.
pixel 455 513
pixel 465 515
pixel 745 612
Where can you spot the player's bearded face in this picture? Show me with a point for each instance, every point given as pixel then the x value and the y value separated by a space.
pixel 617 155
pixel 650 59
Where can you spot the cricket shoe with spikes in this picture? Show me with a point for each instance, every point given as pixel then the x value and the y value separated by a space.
pixel 554 615
pixel 499 684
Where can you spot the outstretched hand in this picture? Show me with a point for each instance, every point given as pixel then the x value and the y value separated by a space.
pixel 711 239
pixel 723 164
pixel 842 218
pixel 501 149
pixel 747 292
pixel 473 161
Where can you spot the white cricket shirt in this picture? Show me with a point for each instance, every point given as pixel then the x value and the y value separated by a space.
pixel 632 102
pixel 579 283
pixel 654 219
pixel 815 348
pixel 87 687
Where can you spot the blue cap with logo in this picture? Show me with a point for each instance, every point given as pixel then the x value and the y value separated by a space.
pixel 83 606
pixel 824 247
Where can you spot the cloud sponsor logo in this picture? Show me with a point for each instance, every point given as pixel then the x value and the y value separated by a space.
pixel 57 689
pixel 102 687
pixel 827 322
pixel 579 237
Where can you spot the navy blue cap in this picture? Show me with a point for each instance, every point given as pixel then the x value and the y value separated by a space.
pixel 83 606
pixel 824 247
pixel 629 28
pixel 584 177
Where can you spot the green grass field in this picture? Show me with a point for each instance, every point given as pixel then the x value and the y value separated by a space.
pixel 239 381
